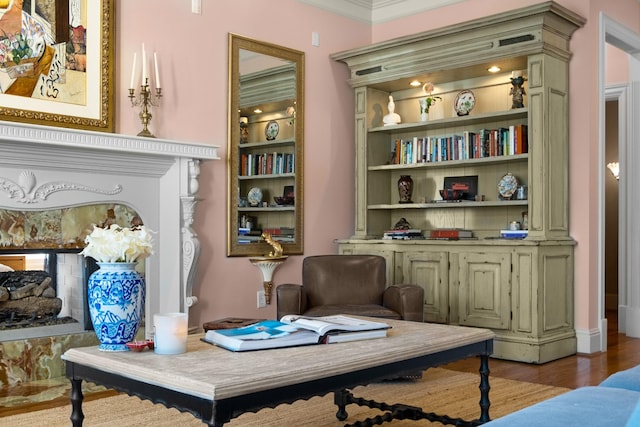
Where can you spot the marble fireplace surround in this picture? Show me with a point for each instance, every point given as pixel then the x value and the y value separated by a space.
pixel 44 167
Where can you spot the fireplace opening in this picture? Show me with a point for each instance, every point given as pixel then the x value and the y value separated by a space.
pixel 47 296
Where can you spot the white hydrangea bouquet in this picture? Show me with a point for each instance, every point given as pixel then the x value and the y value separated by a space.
pixel 118 244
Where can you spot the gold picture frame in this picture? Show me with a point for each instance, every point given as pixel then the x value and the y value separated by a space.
pixel 71 83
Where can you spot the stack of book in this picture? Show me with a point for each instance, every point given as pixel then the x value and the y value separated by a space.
pixel 514 234
pixel 450 234
pixel 282 234
pixel 403 234
pixel 247 235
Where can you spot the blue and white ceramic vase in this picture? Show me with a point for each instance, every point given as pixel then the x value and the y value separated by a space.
pixel 116 304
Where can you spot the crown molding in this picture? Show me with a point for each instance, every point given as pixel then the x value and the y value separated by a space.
pixel 378 11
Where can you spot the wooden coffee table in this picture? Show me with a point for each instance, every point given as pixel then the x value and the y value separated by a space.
pixel 217 385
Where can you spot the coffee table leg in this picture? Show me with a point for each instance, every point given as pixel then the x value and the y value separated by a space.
pixel 485 403
pixel 341 399
pixel 76 403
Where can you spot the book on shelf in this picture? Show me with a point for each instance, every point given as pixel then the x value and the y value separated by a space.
pixel 501 141
pixel 292 330
pixel 279 231
pixel 514 234
pixel 403 234
pixel 450 233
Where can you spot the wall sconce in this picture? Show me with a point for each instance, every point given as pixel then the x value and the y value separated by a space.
pixel 614 167
pixel 268 264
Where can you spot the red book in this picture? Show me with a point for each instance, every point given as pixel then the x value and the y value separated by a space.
pixel 450 233
pixel 521 139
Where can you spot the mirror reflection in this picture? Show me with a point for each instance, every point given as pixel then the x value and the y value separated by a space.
pixel 265 147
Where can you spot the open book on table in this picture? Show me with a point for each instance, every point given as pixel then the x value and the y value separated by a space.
pixel 294 330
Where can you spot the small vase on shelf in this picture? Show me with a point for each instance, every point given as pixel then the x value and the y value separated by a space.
pixel 424 110
pixel 405 188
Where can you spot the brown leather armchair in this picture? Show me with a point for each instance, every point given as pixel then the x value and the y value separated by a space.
pixel 349 284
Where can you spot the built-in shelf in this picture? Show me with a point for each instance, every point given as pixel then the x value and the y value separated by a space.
pixel 450 163
pixel 451 205
pixel 520 113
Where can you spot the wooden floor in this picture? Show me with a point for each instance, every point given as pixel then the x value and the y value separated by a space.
pixel 571 372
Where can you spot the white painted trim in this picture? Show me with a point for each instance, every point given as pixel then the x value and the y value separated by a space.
pixel 377 11
pixel 588 340
pixel 620 93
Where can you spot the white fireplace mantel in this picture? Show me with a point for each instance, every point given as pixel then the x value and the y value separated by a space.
pixel 44 167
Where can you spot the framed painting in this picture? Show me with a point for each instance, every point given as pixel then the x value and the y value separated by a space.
pixel 57 62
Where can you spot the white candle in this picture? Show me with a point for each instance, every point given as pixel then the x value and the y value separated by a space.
pixel 145 76
pixel 133 71
pixel 171 330
pixel 155 61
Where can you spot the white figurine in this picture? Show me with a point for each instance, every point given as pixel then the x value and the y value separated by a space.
pixel 392 118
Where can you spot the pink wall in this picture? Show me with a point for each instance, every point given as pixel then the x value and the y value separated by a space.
pixel 193 62
pixel 192 52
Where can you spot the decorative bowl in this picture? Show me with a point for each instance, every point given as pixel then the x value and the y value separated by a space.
pixel 449 194
pixel 283 200
pixel 140 345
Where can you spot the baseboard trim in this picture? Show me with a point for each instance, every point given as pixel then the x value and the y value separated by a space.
pixel 588 340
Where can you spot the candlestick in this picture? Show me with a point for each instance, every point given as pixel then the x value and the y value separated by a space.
pixel 133 71
pixel 145 100
pixel 155 61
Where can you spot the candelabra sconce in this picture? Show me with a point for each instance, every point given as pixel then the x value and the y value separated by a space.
pixel 145 100
pixel 268 264
pixel 517 91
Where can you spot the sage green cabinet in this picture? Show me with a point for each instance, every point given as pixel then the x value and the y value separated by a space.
pixel 521 289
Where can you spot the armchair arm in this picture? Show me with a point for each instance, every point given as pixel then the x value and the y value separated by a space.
pixel 406 300
pixel 290 299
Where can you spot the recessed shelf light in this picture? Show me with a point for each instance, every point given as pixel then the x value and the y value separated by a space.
pixel 257 111
pixel 494 69
pixel 415 83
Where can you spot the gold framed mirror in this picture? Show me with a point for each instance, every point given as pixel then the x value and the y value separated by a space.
pixel 265 147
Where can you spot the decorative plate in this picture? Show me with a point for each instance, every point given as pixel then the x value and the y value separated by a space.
pixel 507 186
pixel 465 101
pixel 255 196
pixel 271 130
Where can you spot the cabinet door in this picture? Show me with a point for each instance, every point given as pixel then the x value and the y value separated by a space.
pixel 484 290
pixel 430 270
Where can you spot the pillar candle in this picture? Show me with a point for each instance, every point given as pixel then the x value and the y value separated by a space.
pixel 133 71
pixel 155 61
pixel 145 76
pixel 170 333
